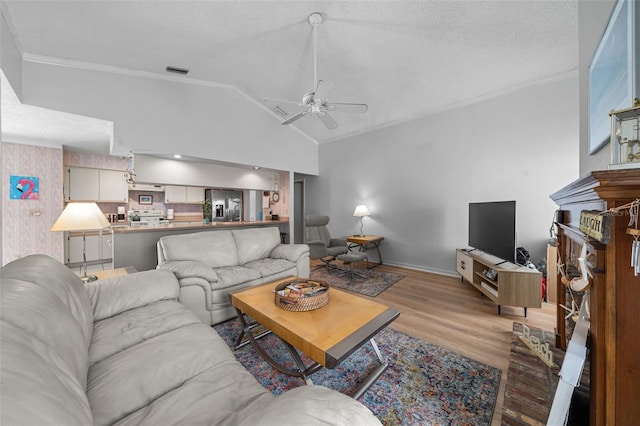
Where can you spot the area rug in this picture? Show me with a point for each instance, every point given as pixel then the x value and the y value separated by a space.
pixel 375 283
pixel 424 385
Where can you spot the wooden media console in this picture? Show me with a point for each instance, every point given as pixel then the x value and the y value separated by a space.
pixel 504 283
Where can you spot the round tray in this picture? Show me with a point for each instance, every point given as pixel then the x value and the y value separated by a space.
pixel 295 300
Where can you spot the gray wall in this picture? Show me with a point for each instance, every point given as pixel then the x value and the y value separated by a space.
pixel 593 17
pixel 418 178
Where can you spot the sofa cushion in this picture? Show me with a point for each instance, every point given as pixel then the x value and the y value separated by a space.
pixel 135 377
pixel 117 333
pixel 60 282
pixel 255 243
pixel 234 275
pixel 213 248
pixel 223 395
pixel 37 311
pixel 268 267
pixel 37 386
pixel 312 405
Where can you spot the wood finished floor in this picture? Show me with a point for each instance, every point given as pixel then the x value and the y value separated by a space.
pixel 454 315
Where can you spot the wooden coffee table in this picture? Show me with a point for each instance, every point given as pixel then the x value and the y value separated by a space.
pixel 327 335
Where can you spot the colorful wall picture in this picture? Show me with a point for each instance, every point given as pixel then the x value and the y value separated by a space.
pixel 23 188
pixel 145 199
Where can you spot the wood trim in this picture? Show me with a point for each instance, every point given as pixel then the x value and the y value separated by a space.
pixel 346 347
pixel 615 294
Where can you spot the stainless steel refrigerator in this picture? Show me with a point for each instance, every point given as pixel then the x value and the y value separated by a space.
pixel 226 205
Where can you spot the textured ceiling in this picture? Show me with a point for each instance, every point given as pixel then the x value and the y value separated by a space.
pixel 405 59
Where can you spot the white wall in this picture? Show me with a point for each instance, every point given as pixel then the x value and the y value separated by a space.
pixel 175 172
pixel 418 178
pixel 10 59
pixel 170 116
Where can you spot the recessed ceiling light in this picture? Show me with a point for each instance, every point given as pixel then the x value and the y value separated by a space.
pixel 176 70
pixel 177 156
pixel 256 167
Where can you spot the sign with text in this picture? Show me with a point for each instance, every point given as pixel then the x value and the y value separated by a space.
pixel 596 225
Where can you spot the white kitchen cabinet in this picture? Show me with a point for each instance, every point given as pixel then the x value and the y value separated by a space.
pixel 175 194
pixel 84 184
pixel 183 194
pixel 74 254
pixel 99 248
pixel 113 186
pixel 107 247
pixel 195 194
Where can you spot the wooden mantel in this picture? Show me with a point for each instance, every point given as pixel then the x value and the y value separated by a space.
pixel 614 294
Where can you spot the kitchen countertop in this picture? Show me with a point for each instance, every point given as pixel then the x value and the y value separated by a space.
pixel 200 225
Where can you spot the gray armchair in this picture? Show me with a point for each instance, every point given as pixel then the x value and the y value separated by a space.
pixel 321 245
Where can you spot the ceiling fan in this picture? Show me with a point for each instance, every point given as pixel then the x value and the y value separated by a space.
pixel 316 102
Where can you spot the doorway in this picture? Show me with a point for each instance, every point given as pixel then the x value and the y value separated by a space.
pixel 298 211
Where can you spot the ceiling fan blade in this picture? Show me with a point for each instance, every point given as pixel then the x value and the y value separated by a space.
pixel 345 107
pixel 295 117
pixel 282 101
pixel 328 120
pixel 322 90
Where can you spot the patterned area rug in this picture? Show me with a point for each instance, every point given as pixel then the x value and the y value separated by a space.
pixel 424 384
pixel 375 283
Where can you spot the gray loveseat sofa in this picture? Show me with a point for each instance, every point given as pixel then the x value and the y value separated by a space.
pixel 125 351
pixel 209 265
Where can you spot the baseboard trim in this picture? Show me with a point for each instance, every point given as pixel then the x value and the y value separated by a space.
pixel 424 269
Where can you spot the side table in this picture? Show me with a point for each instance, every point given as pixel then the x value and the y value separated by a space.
pixel 366 242
pixel 111 273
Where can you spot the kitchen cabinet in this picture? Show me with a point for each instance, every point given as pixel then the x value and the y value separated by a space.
pixel 183 194
pixel 195 194
pixel 84 184
pixel 74 254
pixel 99 248
pixel 113 186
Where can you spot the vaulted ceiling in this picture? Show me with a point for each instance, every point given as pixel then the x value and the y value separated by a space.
pixel 405 59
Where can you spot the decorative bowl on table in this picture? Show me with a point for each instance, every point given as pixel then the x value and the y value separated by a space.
pixel 301 295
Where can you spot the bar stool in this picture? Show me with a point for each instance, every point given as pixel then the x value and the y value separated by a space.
pixel 352 258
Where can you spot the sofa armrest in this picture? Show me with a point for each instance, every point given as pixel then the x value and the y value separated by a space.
pixel 312 405
pixel 112 296
pixel 190 268
pixel 317 249
pixel 291 252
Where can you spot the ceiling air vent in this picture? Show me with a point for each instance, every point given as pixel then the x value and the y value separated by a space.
pixel 176 70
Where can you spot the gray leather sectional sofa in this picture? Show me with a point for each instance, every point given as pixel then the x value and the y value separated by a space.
pixel 125 351
pixel 211 264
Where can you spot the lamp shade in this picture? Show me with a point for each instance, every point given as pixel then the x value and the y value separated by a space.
pixel 361 210
pixel 80 217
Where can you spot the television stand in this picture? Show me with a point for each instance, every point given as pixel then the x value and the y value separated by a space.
pixel 512 285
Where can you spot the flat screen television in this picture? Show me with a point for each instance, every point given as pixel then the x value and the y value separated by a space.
pixel 492 228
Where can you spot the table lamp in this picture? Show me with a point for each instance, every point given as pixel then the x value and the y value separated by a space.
pixel 81 217
pixel 361 211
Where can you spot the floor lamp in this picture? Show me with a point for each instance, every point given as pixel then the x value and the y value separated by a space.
pixel 81 217
pixel 361 211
